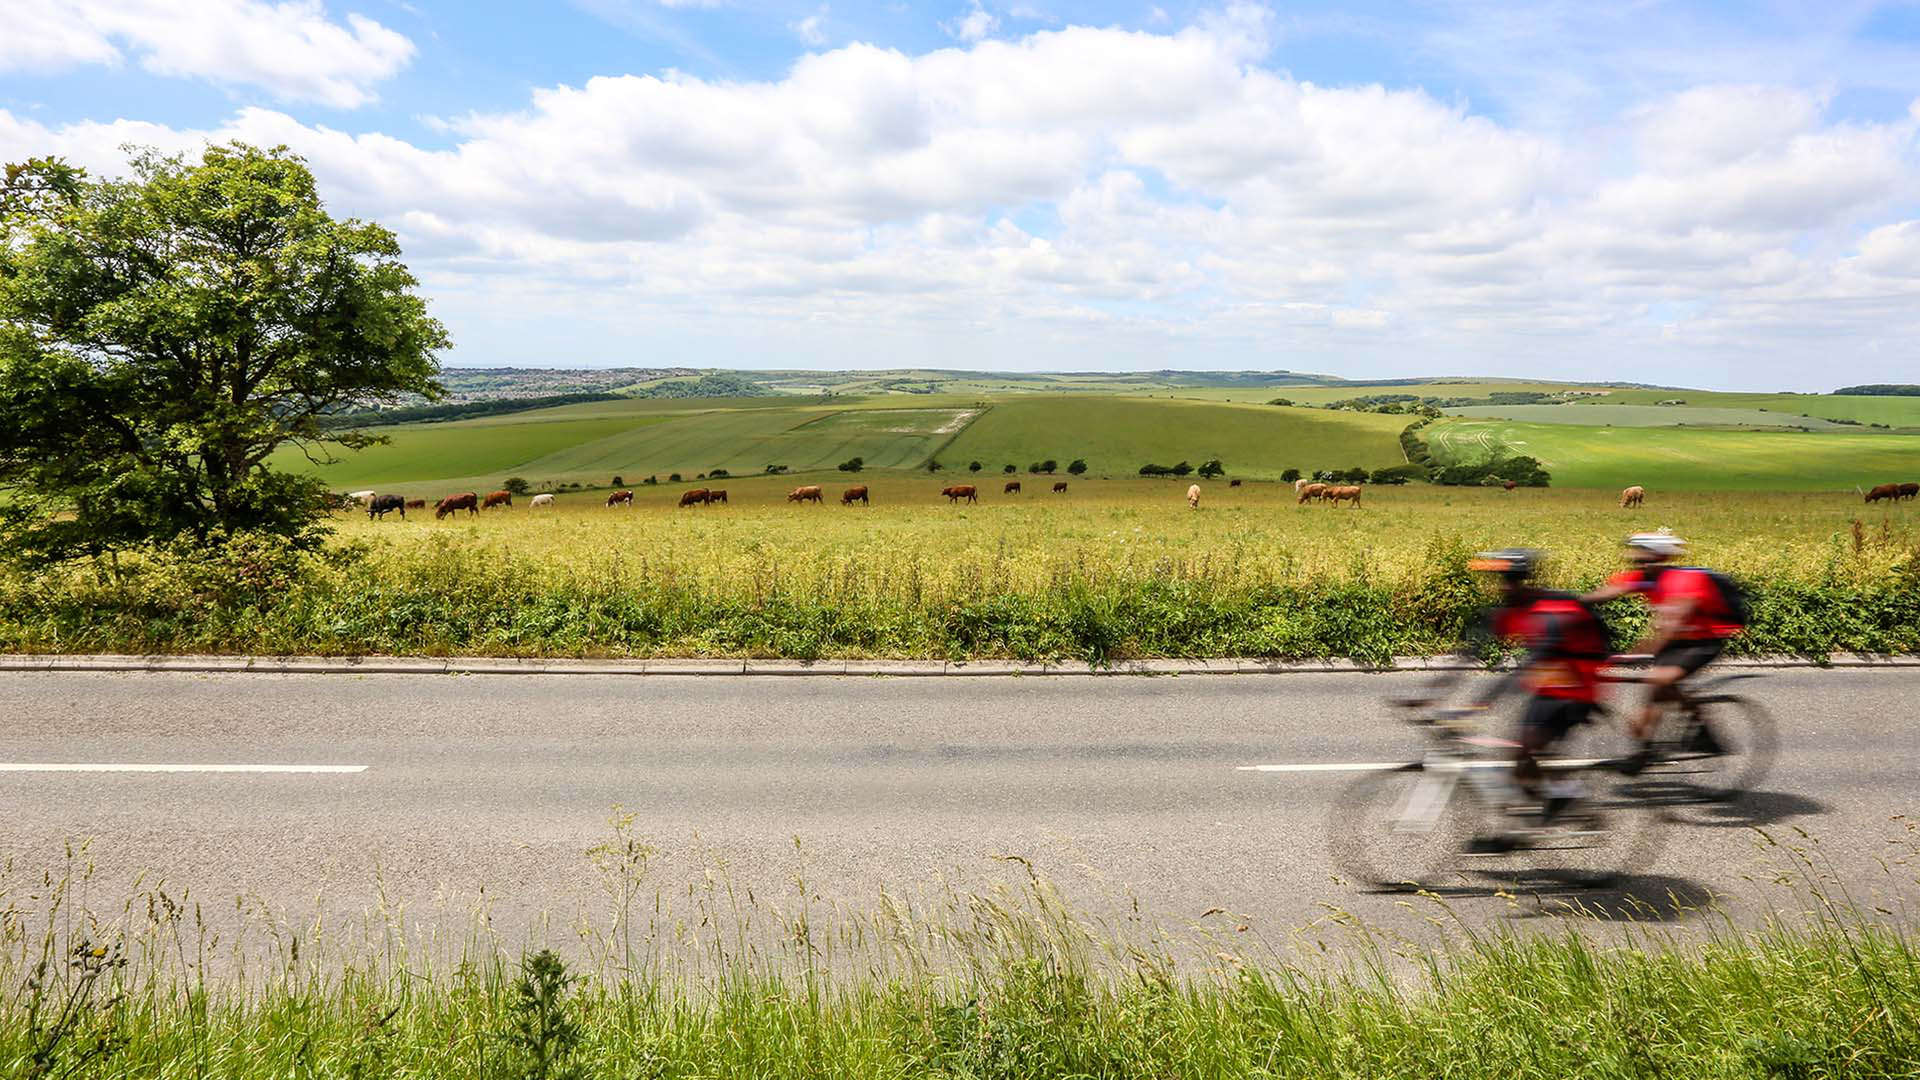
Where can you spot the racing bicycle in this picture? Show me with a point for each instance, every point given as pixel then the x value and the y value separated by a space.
pixel 1711 744
pixel 1415 826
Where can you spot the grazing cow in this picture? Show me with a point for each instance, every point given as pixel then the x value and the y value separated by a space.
pixel 620 498
pixel 467 501
pixel 961 491
pixel 1012 488
pixel 855 495
pixel 1909 491
pixel 416 504
pixel 696 497
pixel 1233 483
pixel 543 499
pixel 1311 492
pixel 378 506
pixel 1632 497
pixel 497 498
pixel 1299 484
pixel 1059 486
pixel 810 493
pixel 359 496
pixel 717 495
pixel 1336 495
pixel 1193 496
pixel 1884 491
pixel 1509 485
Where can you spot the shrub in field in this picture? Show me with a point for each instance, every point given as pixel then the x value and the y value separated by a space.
pixel 516 484
pixel 651 480
pixel 1211 469
pixel 973 466
pixel 1077 466
pixel 718 474
pixel 619 482
pixel 1397 474
pixel 852 465
pixel 934 466
pixel 674 478
pixel 1289 476
pixel 1009 469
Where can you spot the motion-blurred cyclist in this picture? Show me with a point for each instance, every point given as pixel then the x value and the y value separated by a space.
pixel 1695 612
pixel 1566 647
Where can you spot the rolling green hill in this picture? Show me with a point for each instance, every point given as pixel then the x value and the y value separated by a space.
pixel 589 443
pixel 1684 458
pixel 1119 434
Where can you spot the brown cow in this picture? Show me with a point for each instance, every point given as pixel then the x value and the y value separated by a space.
pixel 416 504
pixel 1310 492
pixel 497 498
pixel 1909 491
pixel 1012 488
pixel 621 498
pixel 1509 485
pixel 717 495
pixel 961 491
pixel 1632 497
pixel 853 495
pixel 1336 495
pixel 1059 486
pixel 810 493
pixel 696 497
pixel 1884 491
pixel 467 501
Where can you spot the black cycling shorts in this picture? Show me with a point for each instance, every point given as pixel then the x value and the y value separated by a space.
pixel 1554 717
pixel 1691 655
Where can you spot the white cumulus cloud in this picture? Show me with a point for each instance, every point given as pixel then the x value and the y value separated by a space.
pixel 293 50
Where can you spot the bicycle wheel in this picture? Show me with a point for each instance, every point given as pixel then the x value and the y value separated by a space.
pixel 1743 742
pixel 1606 833
pixel 1400 830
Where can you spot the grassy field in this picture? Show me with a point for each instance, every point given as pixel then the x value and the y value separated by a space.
pixel 591 443
pixel 1585 415
pixel 1111 569
pixel 1116 435
pixel 1679 459
pixel 1000 985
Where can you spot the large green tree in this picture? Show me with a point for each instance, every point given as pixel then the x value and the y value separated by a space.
pixel 161 335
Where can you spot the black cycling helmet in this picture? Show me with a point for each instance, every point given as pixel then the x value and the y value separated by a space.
pixel 1513 564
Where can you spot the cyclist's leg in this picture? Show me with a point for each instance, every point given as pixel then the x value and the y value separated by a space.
pixel 1548 721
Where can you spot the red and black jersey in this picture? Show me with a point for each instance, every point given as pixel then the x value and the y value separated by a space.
pixel 1709 616
pixel 1566 644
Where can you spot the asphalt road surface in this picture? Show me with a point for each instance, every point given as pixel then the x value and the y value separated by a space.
pixel 1127 791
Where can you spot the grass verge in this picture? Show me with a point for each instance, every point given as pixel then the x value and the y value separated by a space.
pixel 1010 984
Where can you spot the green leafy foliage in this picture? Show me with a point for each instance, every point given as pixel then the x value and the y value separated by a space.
pixel 161 336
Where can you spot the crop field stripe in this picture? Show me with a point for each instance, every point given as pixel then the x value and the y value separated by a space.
pixel 971 420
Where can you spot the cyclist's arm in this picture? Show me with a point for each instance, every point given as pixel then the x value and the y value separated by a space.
pixel 1668 618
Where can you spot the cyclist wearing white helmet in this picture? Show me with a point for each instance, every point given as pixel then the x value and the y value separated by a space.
pixel 1695 613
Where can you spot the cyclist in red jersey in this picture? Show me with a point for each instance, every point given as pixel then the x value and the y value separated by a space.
pixel 1693 619
pixel 1566 648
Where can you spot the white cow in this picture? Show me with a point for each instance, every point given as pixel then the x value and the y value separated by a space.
pixel 542 499
pixel 359 496
pixel 1193 496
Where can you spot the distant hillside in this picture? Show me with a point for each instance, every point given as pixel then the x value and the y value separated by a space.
pixel 491 384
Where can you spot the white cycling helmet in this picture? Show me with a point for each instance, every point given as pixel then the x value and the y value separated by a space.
pixel 1661 545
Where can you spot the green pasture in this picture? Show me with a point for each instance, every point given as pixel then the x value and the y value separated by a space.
pixel 1645 416
pixel 465 449
pixel 1116 435
pixel 1683 458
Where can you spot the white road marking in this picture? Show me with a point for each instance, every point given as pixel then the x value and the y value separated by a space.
pixel 1375 766
pixel 158 767
pixel 1330 766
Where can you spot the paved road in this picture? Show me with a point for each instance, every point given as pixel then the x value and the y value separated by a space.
pixel 1120 788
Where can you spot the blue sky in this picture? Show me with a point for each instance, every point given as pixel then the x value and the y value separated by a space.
pixel 1709 194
